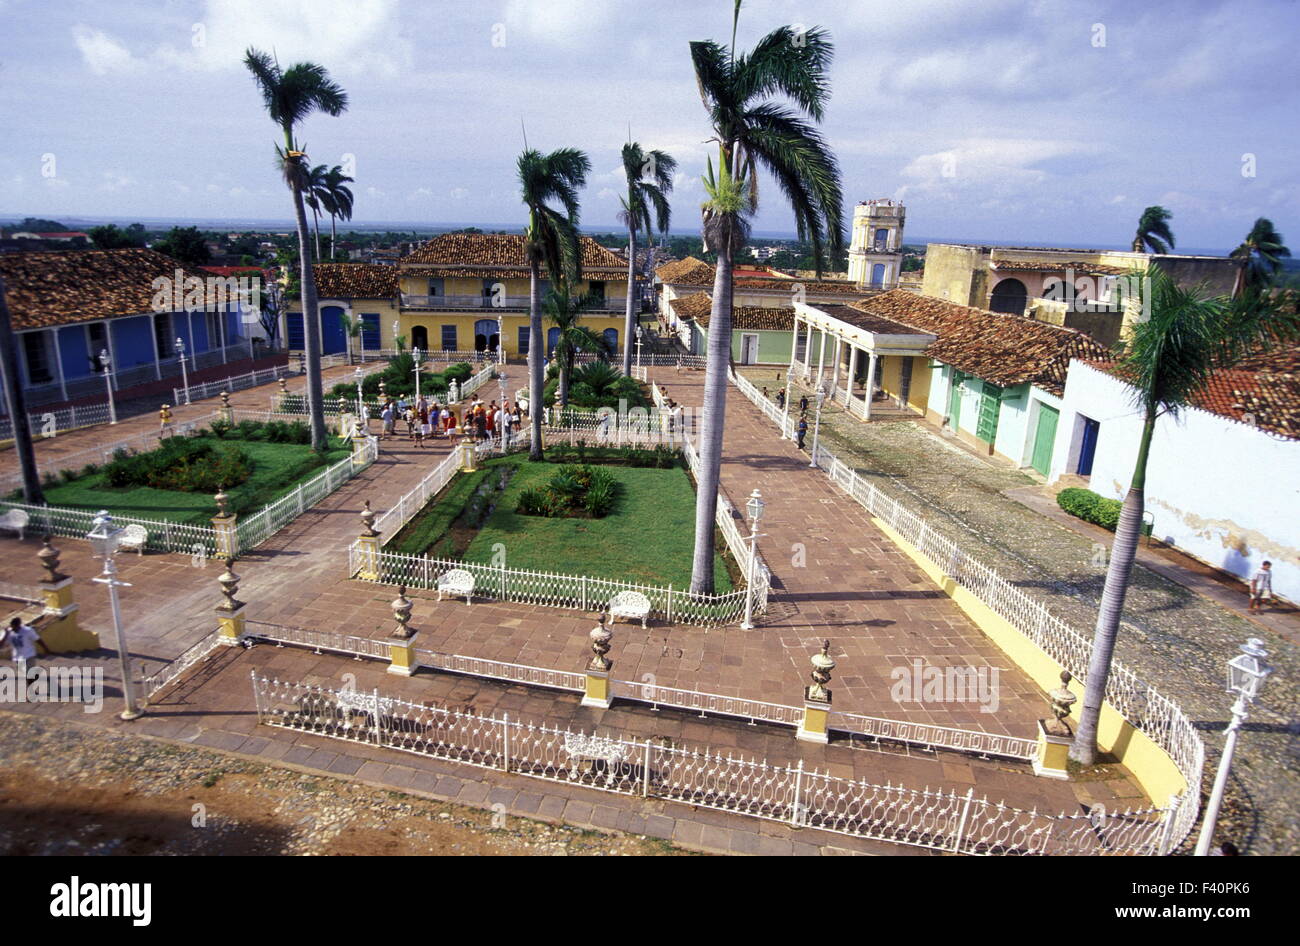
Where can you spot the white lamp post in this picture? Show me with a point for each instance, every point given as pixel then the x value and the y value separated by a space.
pixel 817 423
pixel 361 404
pixel 638 349
pixel 185 375
pixel 1246 674
pixel 501 339
pixel 755 508
pixel 501 427
pixel 415 356
pixel 103 542
pixel 107 362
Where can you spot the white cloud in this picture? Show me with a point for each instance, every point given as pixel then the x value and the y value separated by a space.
pixel 569 24
pixel 459 193
pixel 101 52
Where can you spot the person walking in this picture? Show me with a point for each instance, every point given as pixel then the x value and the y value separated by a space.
pixel 780 399
pixel 802 430
pixel 1261 586
pixel 388 416
pixel 21 639
pixel 165 421
pixel 803 404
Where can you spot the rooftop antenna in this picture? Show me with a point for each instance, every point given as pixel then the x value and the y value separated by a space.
pixel 524 131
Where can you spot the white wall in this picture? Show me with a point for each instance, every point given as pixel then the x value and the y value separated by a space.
pixel 1220 490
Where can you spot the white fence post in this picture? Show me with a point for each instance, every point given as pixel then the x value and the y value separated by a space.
pixel 795 818
pixel 645 772
pixel 961 822
pixel 505 742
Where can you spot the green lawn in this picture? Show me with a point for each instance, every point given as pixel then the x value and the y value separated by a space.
pixel 648 537
pixel 277 469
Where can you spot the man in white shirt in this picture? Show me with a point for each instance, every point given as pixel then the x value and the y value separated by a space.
pixel 1261 586
pixel 21 639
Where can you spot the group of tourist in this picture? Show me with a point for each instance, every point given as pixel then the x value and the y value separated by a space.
pixel 425 419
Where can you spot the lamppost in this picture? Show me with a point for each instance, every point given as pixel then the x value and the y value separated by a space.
pixel 361 404
pixel 785 414
pixel 104 538
pixel 1246 674
pixel 185 375
pixel 817 423
pixel 397 327
pixel 501 427
pixel 755 508
pixel 501 338
pixel 415 356
pixel 107 363
pixel 638 349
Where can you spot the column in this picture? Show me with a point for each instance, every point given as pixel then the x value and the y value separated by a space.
pixel 596 689
pixel 817 699
pixel 223 523
pixel 58 363
pixel 835 373
pixel 807 353
pixel 368 547
pixel 61 634
pixel 853 371
pixel 401 646
pixel 871 382
pixel 821 356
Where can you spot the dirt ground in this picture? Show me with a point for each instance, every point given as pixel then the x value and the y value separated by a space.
pixel 74 790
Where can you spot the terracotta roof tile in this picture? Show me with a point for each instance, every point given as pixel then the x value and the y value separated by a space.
pixel 355 281
pixel 68 286
pixel 686 272
pixel 999 348
pixel 1051 265
pixel 699 306
pixel 478 253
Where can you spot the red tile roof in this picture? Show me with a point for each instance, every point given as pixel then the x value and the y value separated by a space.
pixel 63 287
pixel 699 306
pixel 501 254
pixel 355 281
pixel 999 348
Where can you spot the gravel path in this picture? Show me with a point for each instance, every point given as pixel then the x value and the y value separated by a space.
pixel 83 791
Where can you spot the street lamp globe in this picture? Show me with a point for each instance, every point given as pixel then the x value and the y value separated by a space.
pixel 104 359
pixel 180 345
pixel 1248 670
pixel 104 535
pixel 755 507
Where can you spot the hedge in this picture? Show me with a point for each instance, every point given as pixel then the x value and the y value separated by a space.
pixel 1090 507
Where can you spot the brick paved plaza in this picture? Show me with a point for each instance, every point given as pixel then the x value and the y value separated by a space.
pixel 850 584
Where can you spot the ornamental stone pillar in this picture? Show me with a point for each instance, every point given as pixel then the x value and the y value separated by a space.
pixel 1055 735
pixel 368 546
pixel 401 645
pixel 231 626
pixel 224 525
pixel 817 699
pixel 59 629
pixel 596 691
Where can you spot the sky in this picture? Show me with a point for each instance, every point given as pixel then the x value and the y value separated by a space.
pixel 1017 122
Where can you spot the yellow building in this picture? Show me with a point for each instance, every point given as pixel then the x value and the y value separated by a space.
pixel 459 294
pixel 464 291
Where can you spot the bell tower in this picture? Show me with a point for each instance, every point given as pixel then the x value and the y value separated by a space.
pixel 876 249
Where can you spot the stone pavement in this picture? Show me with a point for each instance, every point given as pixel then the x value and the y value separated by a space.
pixel 852 586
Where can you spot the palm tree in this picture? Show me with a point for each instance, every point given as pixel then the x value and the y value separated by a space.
pixel 565 311
pixel 290 95
pixel 351 329
pixel 1262 251
pixel 755 130
pixel 1169 359
pixel 552 236
pixel 649 181
pixel 337 198
pixel 315 197
pixel 1153 231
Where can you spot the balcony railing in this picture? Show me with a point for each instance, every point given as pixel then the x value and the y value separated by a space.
pixel 412 301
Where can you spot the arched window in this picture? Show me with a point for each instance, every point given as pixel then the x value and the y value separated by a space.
pixel 878 276
pixel 420 338
pixel 611 340
pixel 552 337
pixel 1010 295
pixel 485 335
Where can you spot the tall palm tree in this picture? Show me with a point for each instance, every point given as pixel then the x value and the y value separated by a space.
pixel 1169 359
pixel 1153 231
pixel 338 200
pixel 755 129
pixel 565 311
pixel 290 95
pixel 316 197
pixel 1263 251
pixel 551 237
pixel 649 182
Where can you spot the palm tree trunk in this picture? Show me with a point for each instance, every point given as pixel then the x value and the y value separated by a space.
pixel 629 324
pixel 712 424
pixel 316 222
pixel 1122 554
pixel 566 367
pixel 311 328
pixel 333 236
pixel 535 359
pixel 17 400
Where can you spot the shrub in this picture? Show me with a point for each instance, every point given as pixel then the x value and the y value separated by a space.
pixel 1090 507
pixel 181 464
pixel 573 489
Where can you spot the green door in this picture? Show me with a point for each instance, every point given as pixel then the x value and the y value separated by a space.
pixel 954 398
pixel 986 424
pixel 1044 437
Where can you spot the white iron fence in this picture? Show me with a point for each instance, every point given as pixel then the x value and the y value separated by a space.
pixel 163 536
pixel 646 768
pixel 239 382
pixel 1141 704
pixel 49 423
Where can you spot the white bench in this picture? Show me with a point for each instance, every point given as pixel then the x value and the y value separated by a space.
pixel 582 748
pixel 458 581
pixel 15 520
pixel 134 536
pixel 630 605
